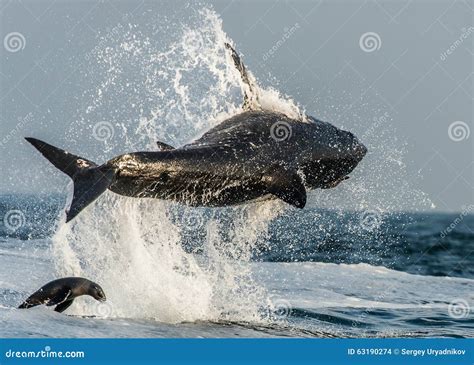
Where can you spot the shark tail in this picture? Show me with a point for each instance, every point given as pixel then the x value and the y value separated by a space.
pixel 90 180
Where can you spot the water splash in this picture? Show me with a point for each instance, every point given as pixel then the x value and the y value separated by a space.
pixel 133 247
pixel 145 88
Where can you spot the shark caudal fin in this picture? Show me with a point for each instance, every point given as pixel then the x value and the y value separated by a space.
pixel 90 180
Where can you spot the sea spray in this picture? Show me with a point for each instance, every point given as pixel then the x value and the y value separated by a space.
pixel 134 247
pixel 149 84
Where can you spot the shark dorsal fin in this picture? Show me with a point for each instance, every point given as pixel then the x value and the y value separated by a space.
pixel 164 147
pixel 251 101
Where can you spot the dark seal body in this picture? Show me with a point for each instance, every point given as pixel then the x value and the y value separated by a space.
pixel 62 292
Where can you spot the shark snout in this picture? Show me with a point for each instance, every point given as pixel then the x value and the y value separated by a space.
pixel 358 149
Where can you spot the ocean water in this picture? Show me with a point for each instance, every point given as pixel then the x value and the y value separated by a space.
pixel 401 280
pixel 351 264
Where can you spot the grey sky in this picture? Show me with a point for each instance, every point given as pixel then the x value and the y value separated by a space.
pixel 309 50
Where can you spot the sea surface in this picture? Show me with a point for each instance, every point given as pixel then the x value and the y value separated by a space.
pixel 352 263
pixel 406 278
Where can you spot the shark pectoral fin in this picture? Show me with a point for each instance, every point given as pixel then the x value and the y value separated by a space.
pixel 288 186
pixel 164 147
pixel 60 297
pixel 63 306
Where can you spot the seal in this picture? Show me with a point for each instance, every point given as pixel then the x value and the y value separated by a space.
pixel 62 292
pixel 257 154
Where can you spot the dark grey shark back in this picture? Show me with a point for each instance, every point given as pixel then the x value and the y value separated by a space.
pixel 242 159
pixel 251 155
pixel 265 137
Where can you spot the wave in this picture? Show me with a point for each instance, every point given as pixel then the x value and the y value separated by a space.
pixel 172 81
pixel 361 286
pixel 310 300
pixel 133 247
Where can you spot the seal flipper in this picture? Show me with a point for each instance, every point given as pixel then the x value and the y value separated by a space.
pixel 30 302
pixel 62 296
pixel 164 147
pixel 90 180
pixel 288 186
pixel 43 296
pixel 63 306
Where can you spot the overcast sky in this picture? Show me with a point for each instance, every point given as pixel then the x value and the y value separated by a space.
pixel 407 63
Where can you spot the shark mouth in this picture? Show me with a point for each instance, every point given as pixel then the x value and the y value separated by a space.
pixel 334 183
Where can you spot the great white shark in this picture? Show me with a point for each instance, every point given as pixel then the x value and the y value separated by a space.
pixel 256 154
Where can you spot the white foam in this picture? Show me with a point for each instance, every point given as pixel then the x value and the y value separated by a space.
pixel 172 92
pixel 132 247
